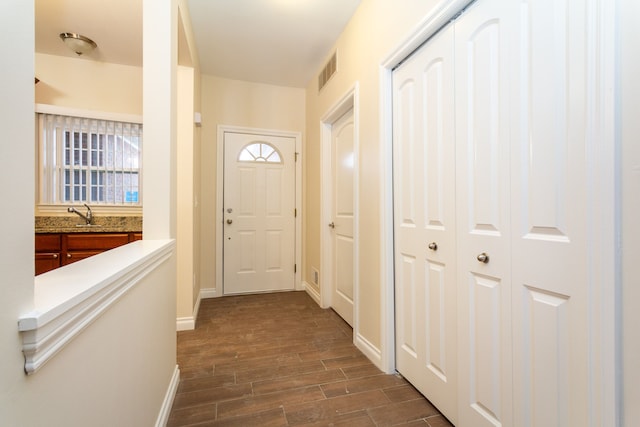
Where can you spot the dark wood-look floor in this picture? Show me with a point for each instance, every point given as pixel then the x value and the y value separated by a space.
pixel 280 360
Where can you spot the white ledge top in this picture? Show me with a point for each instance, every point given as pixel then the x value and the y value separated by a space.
pixel 57 291
pixel 69 299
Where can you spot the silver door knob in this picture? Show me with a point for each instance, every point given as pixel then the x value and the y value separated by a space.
pixel 483 257
pixel 433 246
pixel 332 225
pixel 229 221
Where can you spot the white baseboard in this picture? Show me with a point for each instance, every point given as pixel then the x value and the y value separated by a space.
pixel 185 323
pixel 372 352
pixel 165 409
pixel 189 323
pixel 208 293
pixel 313 293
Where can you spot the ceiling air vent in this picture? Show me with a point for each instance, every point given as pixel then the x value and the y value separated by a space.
pixel 328 71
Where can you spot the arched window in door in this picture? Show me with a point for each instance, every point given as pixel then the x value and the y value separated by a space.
pixel 260 152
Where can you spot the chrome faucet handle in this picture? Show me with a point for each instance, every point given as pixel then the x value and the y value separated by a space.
pixel 89 213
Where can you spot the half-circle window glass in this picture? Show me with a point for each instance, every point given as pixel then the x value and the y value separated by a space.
pixel 260 152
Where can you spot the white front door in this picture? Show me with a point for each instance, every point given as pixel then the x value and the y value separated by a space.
pixel 342 221
pixel 425 225
pixel 259 216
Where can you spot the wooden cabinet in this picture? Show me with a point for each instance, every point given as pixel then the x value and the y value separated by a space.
pixel 58 249
pixel 48 252
pixel 83 245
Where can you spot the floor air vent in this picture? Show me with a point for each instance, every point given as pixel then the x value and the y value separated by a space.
pixel 328 71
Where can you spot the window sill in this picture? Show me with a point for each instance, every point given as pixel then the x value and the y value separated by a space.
pixel 70 298
pixel 61 210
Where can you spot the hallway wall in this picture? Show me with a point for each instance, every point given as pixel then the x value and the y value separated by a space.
pixel 236 103
pixel 377 27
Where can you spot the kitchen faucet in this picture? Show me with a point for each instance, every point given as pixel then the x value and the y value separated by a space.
pixel 88 217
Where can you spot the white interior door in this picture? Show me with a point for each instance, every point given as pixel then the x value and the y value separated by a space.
pixel 484 35
pixel 342 221
pixel 551 285
pixel 259 217
pixel 425 225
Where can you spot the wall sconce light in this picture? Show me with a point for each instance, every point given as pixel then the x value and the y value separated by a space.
pixel 78 43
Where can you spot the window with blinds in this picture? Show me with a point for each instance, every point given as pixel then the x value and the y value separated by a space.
pixel 90 161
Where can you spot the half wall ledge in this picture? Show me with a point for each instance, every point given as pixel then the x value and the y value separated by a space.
pixel 69 299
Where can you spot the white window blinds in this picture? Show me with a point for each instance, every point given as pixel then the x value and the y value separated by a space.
pixel 89 161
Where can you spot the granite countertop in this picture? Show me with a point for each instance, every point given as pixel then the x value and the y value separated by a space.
pixel 101 224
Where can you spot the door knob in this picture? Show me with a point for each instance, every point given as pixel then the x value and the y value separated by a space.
pixel 483 257
pixel 332 225
pixel 229 221
pixel 433 246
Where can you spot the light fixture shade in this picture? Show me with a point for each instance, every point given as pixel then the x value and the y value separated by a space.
pixel 78 43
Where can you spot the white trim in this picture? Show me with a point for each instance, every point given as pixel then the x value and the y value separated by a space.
pixel 64 307
pixel 169 396
pixel 348 101
pixel 88 114
pixel 105 210
pixel 189 323
pixel 313 293
pixel 185 323
pixel 368 349
pixel 441 14
pixel 297 136
pixel 208 293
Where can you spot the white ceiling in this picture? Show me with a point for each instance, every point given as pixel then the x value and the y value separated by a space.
pixel 281 42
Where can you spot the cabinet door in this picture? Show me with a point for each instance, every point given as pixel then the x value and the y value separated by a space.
pixel 425 254
pixel 484 39
pixel 47 261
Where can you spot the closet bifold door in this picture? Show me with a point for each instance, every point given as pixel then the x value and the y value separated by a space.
pixel 424 212
pixel 483 51
pixel 551 320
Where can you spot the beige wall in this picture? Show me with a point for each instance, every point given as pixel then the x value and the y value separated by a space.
pixel 188 169
pixel 237 103
pixel 630 97
pixel 88 85
pixel 377 27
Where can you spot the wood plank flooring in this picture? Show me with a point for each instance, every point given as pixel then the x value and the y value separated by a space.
pixel 280 360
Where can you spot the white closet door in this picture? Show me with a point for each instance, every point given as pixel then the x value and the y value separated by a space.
pixel 551 320
pixel 482 49
pixel 424 180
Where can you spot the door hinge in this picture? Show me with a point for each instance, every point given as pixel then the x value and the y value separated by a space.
pixel 295 268
pixel 295 212
pixel 296 156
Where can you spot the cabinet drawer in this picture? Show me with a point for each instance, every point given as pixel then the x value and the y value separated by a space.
pixel 86 241
pixel 48 242
pixel 74 256
pixel 47 261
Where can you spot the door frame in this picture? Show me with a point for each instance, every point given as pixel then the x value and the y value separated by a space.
pixel 603 147
pixel 219 218
pixel 344 104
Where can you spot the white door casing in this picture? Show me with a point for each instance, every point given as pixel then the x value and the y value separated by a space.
pixel 424 166
pixel 342 218
pixel 259 213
